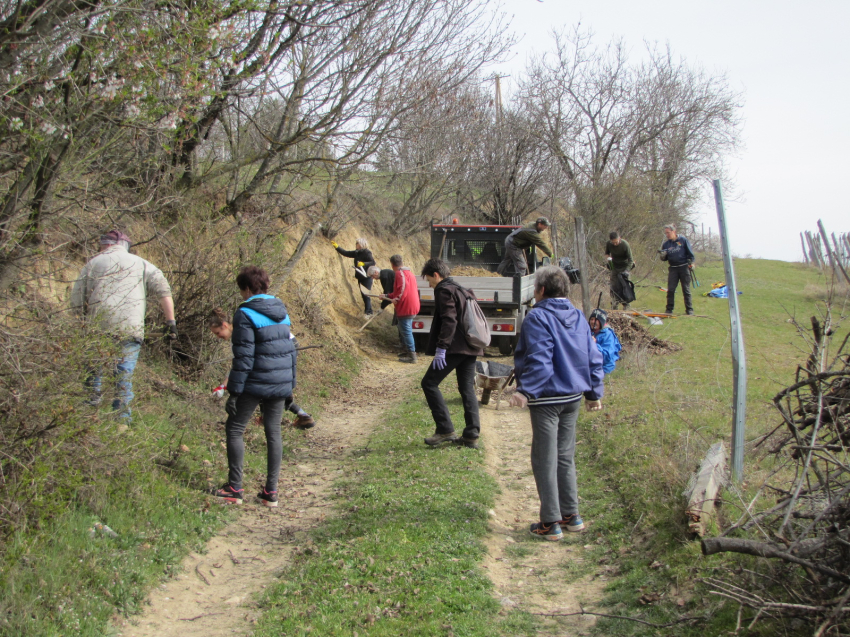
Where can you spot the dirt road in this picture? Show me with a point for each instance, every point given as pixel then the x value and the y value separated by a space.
pixel 215 593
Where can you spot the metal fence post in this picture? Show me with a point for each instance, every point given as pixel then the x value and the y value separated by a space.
pixel 739 360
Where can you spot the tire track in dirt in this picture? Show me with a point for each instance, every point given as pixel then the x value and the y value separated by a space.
pixel 216 591
pixel 528 573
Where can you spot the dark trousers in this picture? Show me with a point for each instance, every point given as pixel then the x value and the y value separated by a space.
pixel 674 276
pixel 465 371
pixel 234 428
pixel 366 282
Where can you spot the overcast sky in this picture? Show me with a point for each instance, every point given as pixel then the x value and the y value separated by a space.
pixel 791 62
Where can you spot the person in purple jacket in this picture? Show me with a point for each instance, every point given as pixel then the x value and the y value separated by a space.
pixel 556 362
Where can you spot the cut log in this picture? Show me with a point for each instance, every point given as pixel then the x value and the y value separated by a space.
pixel 702 499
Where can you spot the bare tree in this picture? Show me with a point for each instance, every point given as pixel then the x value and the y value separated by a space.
pixel 346 88
pixel 643 134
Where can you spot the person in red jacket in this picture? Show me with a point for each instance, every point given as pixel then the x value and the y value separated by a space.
pixel 405 298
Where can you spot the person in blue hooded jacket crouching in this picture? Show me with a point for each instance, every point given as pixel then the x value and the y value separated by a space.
pixel 606 339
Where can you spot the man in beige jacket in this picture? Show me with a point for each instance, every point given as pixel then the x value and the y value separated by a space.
pixel 112 292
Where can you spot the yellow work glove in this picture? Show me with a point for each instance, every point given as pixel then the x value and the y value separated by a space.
pixel 360 264
pixel 334 244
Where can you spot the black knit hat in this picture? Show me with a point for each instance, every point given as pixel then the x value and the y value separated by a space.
pixel 600 315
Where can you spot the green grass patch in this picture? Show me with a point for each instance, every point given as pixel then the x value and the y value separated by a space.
pixel 400 556
pixel 661 415
pixel 148 484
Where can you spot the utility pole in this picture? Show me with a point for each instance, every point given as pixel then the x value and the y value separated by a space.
pixel 498 102
pixel 739 358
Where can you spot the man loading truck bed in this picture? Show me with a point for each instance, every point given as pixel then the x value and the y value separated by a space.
pixel 517 241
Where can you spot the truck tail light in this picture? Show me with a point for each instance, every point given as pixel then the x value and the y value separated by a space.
pixel 503 327
pixel 418 325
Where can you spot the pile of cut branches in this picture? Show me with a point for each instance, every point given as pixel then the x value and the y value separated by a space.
pixel 808 527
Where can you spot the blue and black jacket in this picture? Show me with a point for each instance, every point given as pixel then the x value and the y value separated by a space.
pixel 679 252
pixel 556 359
pixel 609 345
pixel 263 354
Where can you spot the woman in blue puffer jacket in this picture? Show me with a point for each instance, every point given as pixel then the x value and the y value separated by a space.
pixel 262 373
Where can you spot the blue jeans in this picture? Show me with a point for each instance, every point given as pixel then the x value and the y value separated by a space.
pixel 553 448
pixel 405 332
pixel 124 368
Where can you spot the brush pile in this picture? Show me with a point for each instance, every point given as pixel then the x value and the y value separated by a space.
pixel 634 336
pixel 806 530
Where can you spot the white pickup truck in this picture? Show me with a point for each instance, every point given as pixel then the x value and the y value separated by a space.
pixel 504 300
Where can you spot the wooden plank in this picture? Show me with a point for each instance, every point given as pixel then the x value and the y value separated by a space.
pixel 703 497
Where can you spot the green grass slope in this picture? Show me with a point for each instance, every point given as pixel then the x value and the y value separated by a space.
pixel 662 413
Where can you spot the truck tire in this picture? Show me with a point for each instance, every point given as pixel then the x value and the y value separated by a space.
pixel 505 344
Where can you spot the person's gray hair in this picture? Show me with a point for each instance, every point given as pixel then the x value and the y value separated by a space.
pixel 396 260
pixel 363 243
pixel 553 281
pixel 670 226
pixel 373 269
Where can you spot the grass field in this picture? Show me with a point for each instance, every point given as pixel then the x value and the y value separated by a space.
pixel 401 555
pixel 664 412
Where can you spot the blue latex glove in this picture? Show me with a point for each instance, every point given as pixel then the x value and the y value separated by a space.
pixel 439 359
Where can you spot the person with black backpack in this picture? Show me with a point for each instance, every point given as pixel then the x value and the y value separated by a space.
pixel 448 343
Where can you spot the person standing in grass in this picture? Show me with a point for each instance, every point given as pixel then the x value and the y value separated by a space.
pixel 676 251
pixel 405 297
pixel 262 373
pixel 363 260
pixel 112 292
pixel 222 328
pixel 447 343
pixel 556 362
pixel 620 261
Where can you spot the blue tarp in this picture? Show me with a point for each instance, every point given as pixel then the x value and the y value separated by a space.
pixel 721 293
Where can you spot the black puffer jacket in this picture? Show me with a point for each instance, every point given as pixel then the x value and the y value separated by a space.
pixel 263 353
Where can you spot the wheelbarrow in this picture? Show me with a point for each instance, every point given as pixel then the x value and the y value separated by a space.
pixel 491 376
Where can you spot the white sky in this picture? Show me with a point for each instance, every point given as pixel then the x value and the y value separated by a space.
pixel 791 62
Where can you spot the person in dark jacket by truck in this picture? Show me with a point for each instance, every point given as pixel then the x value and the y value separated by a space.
pixel 447 343
pixel 262 373
pixel 517 241
pixel 676 251
pixel 363 260
pixel 556 363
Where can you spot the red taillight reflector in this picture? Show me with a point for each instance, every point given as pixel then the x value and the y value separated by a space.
pixel 503 327
pixel 418 325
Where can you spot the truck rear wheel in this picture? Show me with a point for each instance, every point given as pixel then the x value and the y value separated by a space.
pixel 505 345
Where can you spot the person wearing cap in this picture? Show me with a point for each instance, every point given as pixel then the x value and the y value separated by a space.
pixel 676 251
pixel 112 292
pixel 513 261
pixel 620 261
pixel 606 341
